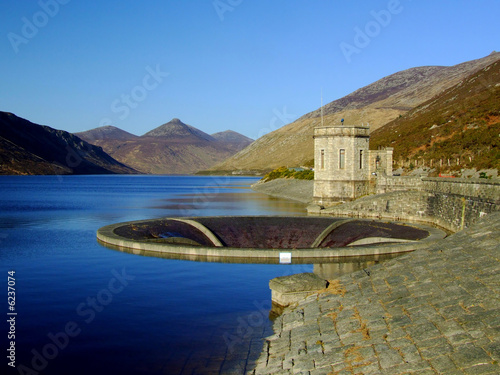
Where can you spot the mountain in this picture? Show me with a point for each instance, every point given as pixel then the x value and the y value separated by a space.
pixel 28 148
pixel 375 104
pixel 463 122
pixel 176 129
pixel 106 133
pixel 232 139
pixel 171 148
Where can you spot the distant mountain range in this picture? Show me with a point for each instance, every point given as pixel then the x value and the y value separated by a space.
pixel 425 113
pixel 172 148
pixel 376 104
pixel 28 148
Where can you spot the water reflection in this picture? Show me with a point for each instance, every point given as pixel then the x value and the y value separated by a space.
pixel 344 264
pixel 192 204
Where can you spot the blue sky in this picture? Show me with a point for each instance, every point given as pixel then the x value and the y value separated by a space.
pixel 247 65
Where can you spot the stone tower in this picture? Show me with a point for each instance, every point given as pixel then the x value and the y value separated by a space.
pixel 341 163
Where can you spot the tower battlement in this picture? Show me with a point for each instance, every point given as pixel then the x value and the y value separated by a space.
pixel 342 130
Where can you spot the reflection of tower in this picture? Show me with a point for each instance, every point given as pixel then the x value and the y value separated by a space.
pixel 341 167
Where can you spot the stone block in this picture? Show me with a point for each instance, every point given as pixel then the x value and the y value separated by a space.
pixel 286 290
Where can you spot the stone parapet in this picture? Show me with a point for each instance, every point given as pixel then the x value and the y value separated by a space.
pixel 478 188
pixel 342 130
pixel 453 203
pixel 386 184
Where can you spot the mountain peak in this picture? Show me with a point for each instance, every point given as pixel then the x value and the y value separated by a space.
pixel 105 133
pixel 175 128
pixel 231 136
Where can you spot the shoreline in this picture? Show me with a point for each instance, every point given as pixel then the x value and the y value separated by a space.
pixel 286 188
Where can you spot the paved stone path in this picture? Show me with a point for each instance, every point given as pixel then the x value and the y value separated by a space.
pixel 436 310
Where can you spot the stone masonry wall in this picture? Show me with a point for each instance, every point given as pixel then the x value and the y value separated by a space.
pixel 453 204
pixel 397 205
pixel 386 184
pixel 456 212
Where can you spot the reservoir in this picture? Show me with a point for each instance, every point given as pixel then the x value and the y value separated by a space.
pixel 83 308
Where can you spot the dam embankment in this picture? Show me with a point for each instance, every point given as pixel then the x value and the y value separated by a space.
pixel 291 189
pixel 451 203
pixel 433 311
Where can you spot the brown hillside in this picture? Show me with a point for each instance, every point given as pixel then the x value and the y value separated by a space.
pixel 460 128
pixel 171 148
pixel 28 148
pixel 376 104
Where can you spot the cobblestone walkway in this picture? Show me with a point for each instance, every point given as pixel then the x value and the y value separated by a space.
pixel 435 310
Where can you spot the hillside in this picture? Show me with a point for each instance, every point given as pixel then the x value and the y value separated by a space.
pixel 233 140
pixel 376 104
pixel 175 129
pixel 106 133
pixel 171 148
pixel 458 128
pixel 28 148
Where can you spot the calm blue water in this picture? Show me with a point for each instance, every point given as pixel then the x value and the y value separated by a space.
pixel 83 308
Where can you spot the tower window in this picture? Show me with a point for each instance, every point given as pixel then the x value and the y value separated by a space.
pixel 360 159
pixel 322 160
pixel 342 159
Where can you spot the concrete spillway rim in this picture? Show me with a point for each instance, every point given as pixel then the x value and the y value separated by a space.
pixel 107 236
pixel 328 230
pixel 207 232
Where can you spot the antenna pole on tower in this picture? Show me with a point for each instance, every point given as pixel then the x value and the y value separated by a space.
pixel 321 106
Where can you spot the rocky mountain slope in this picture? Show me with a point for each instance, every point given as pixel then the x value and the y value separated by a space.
pixel 232 140
pixel 28 148
pixel 175 129
pixel 459 128
pixel 376 105
pixel 106 133
pixel 172 148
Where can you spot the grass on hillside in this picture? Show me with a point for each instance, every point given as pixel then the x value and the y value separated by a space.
pixel 284 172
pixel 458 129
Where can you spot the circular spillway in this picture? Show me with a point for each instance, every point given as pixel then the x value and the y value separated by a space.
pixel 265 238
